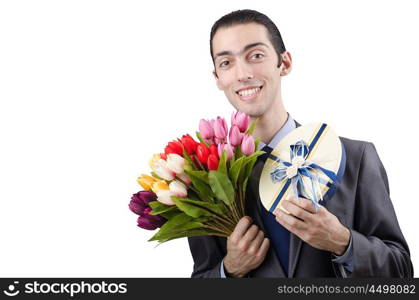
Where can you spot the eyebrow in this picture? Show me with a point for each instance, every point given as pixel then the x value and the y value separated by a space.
pixel 247 47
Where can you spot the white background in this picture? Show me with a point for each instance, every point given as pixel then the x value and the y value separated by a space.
pixel 90 89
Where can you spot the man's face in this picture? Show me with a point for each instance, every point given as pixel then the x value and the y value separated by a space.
pixel 246 68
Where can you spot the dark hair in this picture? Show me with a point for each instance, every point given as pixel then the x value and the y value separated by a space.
pixel 250 16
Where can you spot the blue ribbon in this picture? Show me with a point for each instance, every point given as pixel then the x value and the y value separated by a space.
pixel 301 150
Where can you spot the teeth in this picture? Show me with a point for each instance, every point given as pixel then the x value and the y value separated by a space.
pixel 249 92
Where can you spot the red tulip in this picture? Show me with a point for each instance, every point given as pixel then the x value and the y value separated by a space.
pixel 202 152
pixel 214 150
pixel 189 143
pixel 174 147
pixel 212 162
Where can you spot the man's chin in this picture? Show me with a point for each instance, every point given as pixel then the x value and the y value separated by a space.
pixel 251 109
pixel 253 112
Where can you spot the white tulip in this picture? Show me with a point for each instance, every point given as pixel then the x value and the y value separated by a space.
pixel 175 162
pixel 184 178
pixel 161 169
pixel 165 197
pixel 178 189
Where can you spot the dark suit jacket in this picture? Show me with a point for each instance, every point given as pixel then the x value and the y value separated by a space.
pixel 361 203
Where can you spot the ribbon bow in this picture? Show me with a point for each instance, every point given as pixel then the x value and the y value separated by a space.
pixel 294 171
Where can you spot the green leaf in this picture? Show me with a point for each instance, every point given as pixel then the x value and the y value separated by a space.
pixel 179 222
pixel 246 171
pixel 221 186
pixel 170 214
pixel 252 158
pixel 198 209
pixel 189 233
pixel 188 159
pixel 199 184
pixel 222 166
pixel 252 126
pixel 244 185
pixel 202 175
pixel 201 139
pixel 257 141
pixel 235 170
pixel 159 207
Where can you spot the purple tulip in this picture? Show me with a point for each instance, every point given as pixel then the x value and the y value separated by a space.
pixel 241 120
pixel 139 205
pixel 136 207
pixel 248 144
pixel 140 200
pixel 150 222
pixel 205 129
pixel 236 136
pixel 226 147
pixel 220 128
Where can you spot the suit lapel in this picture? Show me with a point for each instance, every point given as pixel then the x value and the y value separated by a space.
pixel 271 267
pixel 294 255
pixel 295 246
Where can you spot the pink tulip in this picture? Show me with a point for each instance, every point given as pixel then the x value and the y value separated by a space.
pixel 220 128
pixel 241 120
pixel 226 147
pixel 205 129
pixel 218 141
pixel 236 136
pixel 248 144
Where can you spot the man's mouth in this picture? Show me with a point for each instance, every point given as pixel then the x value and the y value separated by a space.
pixel 250 93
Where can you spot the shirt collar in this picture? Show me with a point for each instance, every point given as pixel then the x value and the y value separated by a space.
pixel 285 129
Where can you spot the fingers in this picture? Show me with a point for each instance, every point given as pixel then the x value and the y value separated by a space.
pixel 263 248
pixel 290 222
pixel 256 243
pixel 246 248
pixel 296 210
pixel 247 236
pixel 303 203
pixel 241 228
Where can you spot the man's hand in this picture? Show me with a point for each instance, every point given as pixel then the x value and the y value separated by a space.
pixel 246 248
pixel 321 229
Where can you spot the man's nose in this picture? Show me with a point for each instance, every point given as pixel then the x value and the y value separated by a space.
pixel 243 72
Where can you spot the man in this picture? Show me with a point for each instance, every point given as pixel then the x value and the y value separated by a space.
pixel 355 234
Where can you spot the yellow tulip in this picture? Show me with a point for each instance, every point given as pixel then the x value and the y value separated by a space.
pixel 153 159
pixel 146 181
pixel 159 185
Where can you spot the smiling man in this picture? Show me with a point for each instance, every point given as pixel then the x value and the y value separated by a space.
pixel 355 234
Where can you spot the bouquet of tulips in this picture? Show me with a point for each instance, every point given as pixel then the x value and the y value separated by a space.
pixel 198 187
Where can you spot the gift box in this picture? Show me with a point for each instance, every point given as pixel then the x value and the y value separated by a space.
pixel 309 162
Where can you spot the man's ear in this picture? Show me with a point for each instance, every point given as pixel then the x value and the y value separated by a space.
pixel 217 80
pixel 286 65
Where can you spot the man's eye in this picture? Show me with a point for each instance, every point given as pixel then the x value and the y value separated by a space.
pixel 224 64
pixel 257 55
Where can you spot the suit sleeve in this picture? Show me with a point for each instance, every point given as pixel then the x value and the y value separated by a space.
pixel 379 247
pixel 207 253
